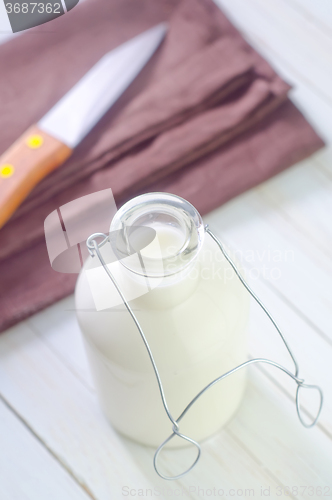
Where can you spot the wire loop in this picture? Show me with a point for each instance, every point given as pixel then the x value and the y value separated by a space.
pixel 298 407
pixel 160 448
pixel 91 242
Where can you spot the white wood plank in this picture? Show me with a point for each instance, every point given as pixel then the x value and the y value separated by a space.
pixel 58 328
pixel 293 56
pixel 312 352
pixel 64 413
pixel 224 464
pixel 293 455
pixel 27 470
pixel 318 12
pixel 324 161
pixel 265 428
pixel 297 40
pixel 303 196
pixel 278 253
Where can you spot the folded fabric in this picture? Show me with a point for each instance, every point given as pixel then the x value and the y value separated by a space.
pixel 201 64
pixel 206 119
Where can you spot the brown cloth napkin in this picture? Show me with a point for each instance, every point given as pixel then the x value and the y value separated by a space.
pixel 206 119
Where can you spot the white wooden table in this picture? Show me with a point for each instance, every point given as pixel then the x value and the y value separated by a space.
pixel 54 442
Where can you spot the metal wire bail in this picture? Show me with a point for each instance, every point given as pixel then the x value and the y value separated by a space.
pixel 94 247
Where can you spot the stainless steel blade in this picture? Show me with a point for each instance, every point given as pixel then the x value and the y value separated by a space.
pixel 83 106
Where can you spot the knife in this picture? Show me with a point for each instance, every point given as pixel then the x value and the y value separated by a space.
pixel 47 144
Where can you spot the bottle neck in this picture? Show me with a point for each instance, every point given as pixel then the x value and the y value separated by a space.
pixel 157 235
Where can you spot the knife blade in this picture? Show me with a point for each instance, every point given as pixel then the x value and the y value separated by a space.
pixel 47 144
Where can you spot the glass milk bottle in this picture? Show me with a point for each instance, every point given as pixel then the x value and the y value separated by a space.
pixel 192 309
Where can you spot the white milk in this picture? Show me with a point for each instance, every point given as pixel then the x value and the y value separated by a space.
pixel 195 322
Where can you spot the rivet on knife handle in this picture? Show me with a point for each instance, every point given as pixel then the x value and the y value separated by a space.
pixel 33 156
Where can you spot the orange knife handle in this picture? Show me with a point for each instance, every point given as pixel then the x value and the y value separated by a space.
pixel 33 156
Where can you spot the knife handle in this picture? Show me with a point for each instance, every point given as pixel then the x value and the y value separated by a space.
pixel 33 156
